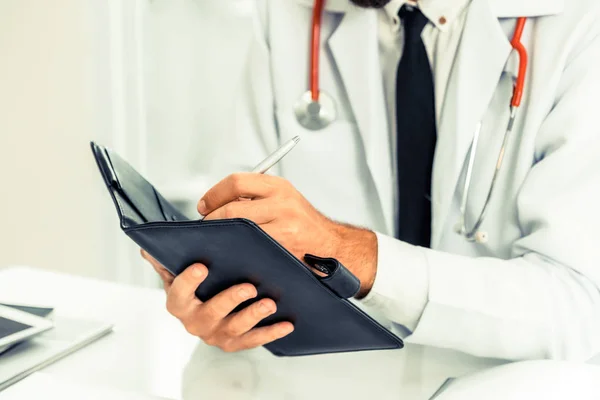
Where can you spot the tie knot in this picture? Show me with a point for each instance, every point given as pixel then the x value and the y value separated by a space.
pixel 414 21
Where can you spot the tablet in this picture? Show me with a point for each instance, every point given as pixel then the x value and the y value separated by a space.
pixel 17 325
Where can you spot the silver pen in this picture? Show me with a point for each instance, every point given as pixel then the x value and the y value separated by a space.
pixel 273 158
pixel 276 156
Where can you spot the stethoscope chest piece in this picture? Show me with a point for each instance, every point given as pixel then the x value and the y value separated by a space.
pixel 315 115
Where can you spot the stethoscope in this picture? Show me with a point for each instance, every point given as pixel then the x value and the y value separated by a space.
pixel 475 234
pixel 315 110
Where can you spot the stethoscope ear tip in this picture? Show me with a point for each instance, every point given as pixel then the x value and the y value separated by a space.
pixel 481 237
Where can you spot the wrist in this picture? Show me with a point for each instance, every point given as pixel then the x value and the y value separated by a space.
pixel 356 249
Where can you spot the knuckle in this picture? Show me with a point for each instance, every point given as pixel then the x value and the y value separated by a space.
pixel 264 308
pixel 211 340
pixel 228 212
pixel 256 308
pixel 228 347
pixel 228 331
pixel 236 180
pixel 249 288
pixel 191 329
pixel 209 313
pixel 257 313
pixel 282 182
pixel 270 304
pixel 270 335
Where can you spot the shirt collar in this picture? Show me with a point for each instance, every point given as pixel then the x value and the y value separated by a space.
pixel 500 8
pixel 441 13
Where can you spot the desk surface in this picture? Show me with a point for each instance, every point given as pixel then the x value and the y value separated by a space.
pixel 150 352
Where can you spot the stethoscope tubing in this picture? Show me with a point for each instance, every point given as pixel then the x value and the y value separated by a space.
pixel 474 234
pixel 312 114
pixel 315 49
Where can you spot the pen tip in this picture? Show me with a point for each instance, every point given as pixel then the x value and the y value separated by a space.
pixel 296 139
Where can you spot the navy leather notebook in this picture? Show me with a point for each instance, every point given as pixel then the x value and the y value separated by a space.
pixel 237 251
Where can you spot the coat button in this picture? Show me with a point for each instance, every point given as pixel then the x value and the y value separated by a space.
pixel 443 20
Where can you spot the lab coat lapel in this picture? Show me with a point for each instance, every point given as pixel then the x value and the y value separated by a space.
pixel 479 63
pixel 356 55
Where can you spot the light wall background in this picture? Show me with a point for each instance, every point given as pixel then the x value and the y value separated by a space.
pixel 72 71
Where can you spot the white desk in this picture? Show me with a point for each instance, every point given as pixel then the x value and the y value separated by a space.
pixel 150 352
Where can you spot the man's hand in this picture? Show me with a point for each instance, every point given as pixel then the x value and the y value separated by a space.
pixel 281 211
pixel 211 321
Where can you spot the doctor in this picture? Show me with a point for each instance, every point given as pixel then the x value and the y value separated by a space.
pixel 396 173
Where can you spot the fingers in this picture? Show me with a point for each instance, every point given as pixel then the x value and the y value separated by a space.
pixel 181 297
pixel 213 320
pixel 234 186
pixel 261 336
pixel 221 305
pixel 241 322
pixel 237 331
pixel 259 211
pixel 165 275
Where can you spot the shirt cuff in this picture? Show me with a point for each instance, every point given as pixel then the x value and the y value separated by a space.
pixel 401 285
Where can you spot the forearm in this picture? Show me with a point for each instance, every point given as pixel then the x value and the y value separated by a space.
pixel 356 249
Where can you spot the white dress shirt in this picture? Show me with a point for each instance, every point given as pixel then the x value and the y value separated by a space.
pixel 408 285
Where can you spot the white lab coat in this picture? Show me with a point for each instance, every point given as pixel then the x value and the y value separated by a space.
pixel 532 291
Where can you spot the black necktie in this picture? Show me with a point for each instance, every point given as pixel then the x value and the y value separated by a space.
pixel 416 127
